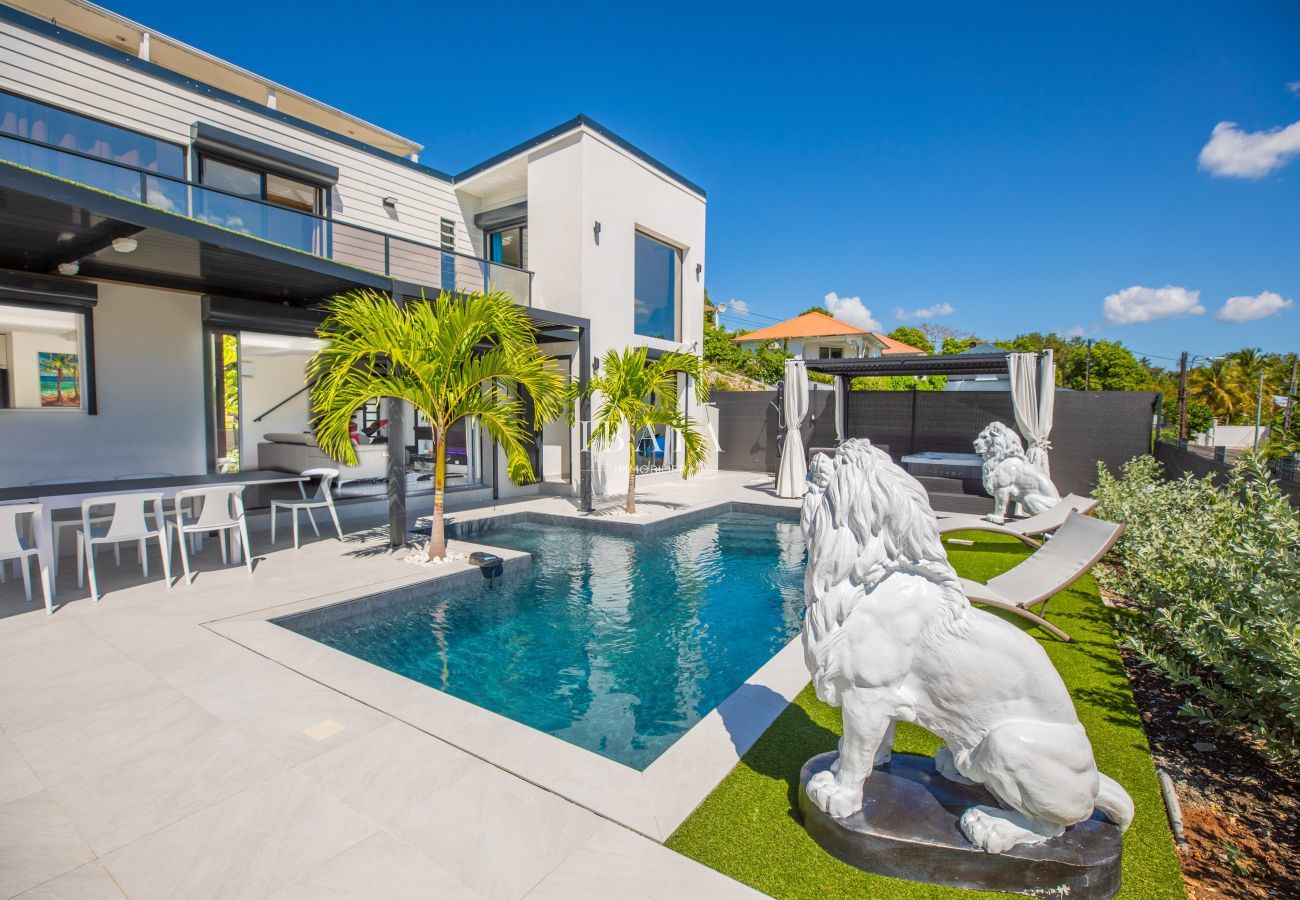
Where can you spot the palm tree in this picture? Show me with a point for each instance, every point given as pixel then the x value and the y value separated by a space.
pixel 455 357
pixel 638 395
pixel 62 364
pixel 1220 387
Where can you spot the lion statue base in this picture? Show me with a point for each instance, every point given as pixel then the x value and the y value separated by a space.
pixel 889 637
pixel 1010 477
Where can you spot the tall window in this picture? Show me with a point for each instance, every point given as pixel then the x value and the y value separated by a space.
pixel 658 288
pixel 509 246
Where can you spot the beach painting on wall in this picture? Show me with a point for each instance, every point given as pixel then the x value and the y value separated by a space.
pixel 60 379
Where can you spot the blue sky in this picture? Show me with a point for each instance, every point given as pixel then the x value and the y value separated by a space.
pixel 1018 165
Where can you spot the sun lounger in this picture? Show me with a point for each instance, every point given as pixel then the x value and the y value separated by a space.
pixel 1074 549
pixel 1022 529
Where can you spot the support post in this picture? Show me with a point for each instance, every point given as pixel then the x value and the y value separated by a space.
pixel 1259 407
pixel 1182 399
pixel 1290 400
pixel 395 412
pixel 1087 368
pixel 584 419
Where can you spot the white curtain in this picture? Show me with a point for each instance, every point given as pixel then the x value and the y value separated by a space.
pixel 841 407
pixel 1033 399
pixel 792 471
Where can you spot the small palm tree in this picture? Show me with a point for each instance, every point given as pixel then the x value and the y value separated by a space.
pixel 638 395
pixel 454 357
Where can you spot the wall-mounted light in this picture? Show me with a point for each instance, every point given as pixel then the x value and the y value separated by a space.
pixel 69 268
pixel 595 232
pixel 390 202
pixel 125 244
pixel 699 270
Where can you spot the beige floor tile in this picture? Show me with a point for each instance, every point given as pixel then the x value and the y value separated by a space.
pixel 37 842
pixel 275 707
pixel 116 805
pixel 386 773
pixel 377 868
pixel 73 692
pixel 249 845
pixel 113 734
pixel 615 862
pixel 90 882
pixel 16 777
pixel 498 833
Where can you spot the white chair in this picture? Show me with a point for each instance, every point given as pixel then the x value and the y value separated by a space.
pixel 323 499
pixel 128 522
pixel 62 519
pixel 14 546
pixel 220 508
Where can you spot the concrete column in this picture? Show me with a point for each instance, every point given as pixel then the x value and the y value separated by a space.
pixel 584 419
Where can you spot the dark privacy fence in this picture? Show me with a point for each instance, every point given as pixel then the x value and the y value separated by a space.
pixel 1106 426
pixel 1178 461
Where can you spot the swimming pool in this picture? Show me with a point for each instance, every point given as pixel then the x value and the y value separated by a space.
pixel 616 644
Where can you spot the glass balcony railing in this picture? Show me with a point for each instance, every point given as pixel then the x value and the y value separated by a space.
pixel 353 245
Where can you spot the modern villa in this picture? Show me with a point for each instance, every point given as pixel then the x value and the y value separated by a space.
pixel 173 224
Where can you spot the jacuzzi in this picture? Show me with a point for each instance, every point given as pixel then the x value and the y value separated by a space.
pixel 967 466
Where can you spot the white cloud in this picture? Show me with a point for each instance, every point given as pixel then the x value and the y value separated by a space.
pixel 1074 332
pixel 1234 153
pixel 925 312
pixel 1248 309
pixel 739 307
pixel 851 310
pixel 1294 87
pixel 1144 304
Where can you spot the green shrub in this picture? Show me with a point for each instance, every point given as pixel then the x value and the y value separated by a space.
pixel 1214 572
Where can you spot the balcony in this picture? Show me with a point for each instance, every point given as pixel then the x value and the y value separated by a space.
pixel 352 245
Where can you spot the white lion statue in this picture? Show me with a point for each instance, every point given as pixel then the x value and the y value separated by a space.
pixel 1009 475
pixel 889 636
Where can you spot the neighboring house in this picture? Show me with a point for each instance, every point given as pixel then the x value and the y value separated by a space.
pixel 816 335
pixel 168 216
pixel 980 382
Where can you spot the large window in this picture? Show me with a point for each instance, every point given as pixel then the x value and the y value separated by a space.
pixel 48 125
pixel 247 181
pixel 43 358
pixel 509 246
pixel 658 288
pixel 276 217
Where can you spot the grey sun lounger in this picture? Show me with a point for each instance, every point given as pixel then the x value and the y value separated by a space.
pixel 1075 548
pixel 1023 529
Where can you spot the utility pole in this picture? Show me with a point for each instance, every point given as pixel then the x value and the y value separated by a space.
pixel 1087 368
pixel 1182 399
pixel 1259 406
pixel 1290 400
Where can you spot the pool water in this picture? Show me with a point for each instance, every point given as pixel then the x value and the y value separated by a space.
pixel 615 644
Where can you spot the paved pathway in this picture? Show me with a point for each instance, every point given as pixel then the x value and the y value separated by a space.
pixel 142 755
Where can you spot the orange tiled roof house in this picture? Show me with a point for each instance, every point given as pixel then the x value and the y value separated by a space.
pixel 816 335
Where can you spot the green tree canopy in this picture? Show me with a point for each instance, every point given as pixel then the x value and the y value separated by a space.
pixel 914 337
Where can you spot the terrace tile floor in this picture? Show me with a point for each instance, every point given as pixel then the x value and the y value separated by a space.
pixel 144 755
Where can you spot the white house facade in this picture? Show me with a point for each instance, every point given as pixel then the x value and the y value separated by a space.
pixel 170 225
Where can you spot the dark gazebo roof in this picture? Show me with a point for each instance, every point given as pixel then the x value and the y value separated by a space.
pixel 958 364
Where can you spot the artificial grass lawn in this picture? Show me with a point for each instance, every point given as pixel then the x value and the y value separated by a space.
pixel 748 828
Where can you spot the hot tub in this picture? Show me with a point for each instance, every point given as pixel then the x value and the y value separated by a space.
pixel 966 466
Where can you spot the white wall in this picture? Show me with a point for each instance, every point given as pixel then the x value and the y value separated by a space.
pixel 270 380
pixel 48 70
pixel 574 183
pixel 149 378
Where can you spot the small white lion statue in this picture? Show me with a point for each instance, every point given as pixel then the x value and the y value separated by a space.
pixel 889 636
pixel 1009 475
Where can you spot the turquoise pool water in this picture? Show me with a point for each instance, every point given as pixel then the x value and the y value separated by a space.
pixel 614 644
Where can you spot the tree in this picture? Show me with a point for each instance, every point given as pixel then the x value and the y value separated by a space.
pixel 1219 386
pixel 638 395
pixel 817 309
pixel 452 358
pixel 914 337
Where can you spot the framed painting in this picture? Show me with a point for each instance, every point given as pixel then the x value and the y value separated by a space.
pixel 60 375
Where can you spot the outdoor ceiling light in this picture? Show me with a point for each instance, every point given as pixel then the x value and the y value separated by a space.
pixel 125 244
pixel 595 232
pixel 390 202
pixel 69 268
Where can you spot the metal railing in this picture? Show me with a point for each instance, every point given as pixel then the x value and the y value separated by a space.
pixel 342 242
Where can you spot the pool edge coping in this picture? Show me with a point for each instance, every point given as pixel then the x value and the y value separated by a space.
pixel 653 802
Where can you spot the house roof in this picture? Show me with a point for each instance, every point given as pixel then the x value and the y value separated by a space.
pixel 819 324
pixel 810 324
